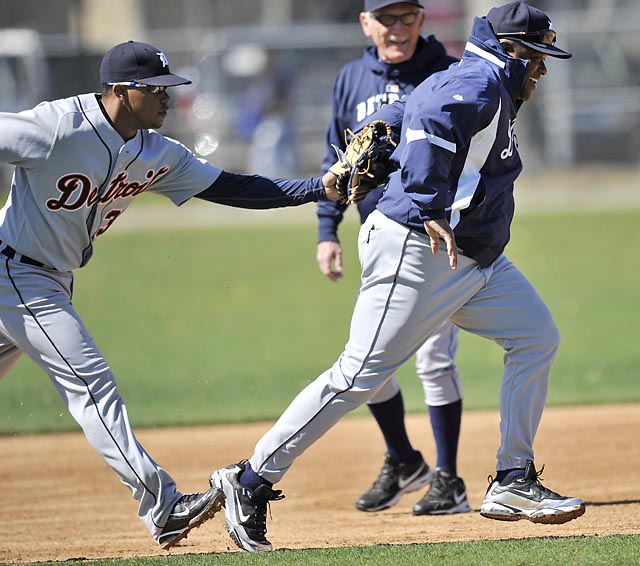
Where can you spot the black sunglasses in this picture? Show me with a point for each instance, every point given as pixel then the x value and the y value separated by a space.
pixel 546 37
pixel 387 20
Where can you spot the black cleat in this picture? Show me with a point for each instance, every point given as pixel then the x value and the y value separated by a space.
pixel 245 509
pixel 188 513
pixel 446 496
pixel 394 481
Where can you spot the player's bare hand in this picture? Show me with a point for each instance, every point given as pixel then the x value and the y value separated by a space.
pixel 329 257
pixel 440 229
pixel 329 181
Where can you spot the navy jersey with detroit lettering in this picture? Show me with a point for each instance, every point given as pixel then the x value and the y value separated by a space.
pixel 361 88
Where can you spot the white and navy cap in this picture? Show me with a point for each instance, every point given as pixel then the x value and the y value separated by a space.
pixel 138 62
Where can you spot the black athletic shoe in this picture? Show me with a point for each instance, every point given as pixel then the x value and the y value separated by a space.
pixel 394 481
pixel 447 495
pixel 188 513
pixel 526 498
pixel 245 509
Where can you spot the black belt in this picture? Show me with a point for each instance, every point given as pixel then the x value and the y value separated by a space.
pixel 11 253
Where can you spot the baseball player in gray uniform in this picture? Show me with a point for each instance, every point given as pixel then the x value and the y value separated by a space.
pixel 79 163
pixel 398 61
pixel 432 251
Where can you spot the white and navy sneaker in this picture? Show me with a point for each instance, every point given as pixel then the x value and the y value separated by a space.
pixel 245 509
pixel 393 482
pixel 188 513
pixel 526 498
pixel 447 495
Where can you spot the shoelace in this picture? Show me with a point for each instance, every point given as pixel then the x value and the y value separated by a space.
pixel 387 474
pixel 264 504
pixel 278 495
pixel 438 484
pixel 537 481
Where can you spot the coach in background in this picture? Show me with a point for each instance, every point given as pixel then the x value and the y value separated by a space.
pixel 398 61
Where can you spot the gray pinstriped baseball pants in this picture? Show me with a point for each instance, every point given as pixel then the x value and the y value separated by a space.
pixel 405 294
pixel 38 319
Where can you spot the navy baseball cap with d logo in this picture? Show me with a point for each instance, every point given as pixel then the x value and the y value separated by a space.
pixel 138 62
pixel 527 25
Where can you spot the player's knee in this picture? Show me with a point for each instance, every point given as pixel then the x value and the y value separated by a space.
pixel 550 336
pixel 341 377
pixel 543 341
pixel 444 390
pixel 388 391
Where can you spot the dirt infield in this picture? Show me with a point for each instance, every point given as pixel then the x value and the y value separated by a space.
pixel 60 501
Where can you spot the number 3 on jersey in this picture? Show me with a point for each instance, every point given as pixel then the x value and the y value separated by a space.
pixel 109 219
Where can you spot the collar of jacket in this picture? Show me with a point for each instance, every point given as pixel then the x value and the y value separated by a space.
pixel 484 44
pixel 428 51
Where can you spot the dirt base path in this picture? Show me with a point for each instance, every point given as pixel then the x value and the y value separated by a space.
pixel 60 501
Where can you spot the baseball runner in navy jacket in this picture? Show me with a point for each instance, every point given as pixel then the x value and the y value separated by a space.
pixel 79 163
pixel 398 61
pixel 458 161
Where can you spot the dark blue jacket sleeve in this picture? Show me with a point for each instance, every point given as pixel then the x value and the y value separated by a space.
pixel 330 213
pixel 256 192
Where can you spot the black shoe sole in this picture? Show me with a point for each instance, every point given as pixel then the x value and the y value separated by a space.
pixel 209 512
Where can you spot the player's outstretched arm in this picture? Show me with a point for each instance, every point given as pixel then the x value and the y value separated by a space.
pixel 257 192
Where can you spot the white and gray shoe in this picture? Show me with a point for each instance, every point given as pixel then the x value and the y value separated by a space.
pixel 526 498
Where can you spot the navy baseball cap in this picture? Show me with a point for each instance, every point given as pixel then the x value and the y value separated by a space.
pixel 372 5
pixel 138 62
pixel 527 25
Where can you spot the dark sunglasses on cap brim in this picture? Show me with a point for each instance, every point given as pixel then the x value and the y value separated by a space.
pixel 546 37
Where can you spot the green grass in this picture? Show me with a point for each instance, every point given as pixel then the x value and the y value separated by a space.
pixel 583 551
pixel 228 324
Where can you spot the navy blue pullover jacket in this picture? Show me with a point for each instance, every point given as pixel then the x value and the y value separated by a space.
pixel 458 156
pixel 361 88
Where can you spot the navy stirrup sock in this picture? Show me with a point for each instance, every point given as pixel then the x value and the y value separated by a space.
pixel 251 480
pixel 390 418
pixel 445 423
pixel 507 476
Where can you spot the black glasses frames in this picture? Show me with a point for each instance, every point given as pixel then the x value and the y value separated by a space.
pixel 388 20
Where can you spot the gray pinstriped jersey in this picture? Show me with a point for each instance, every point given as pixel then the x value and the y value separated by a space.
pixel 75 175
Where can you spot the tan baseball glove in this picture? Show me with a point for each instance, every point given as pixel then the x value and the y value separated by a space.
pixel 362 166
